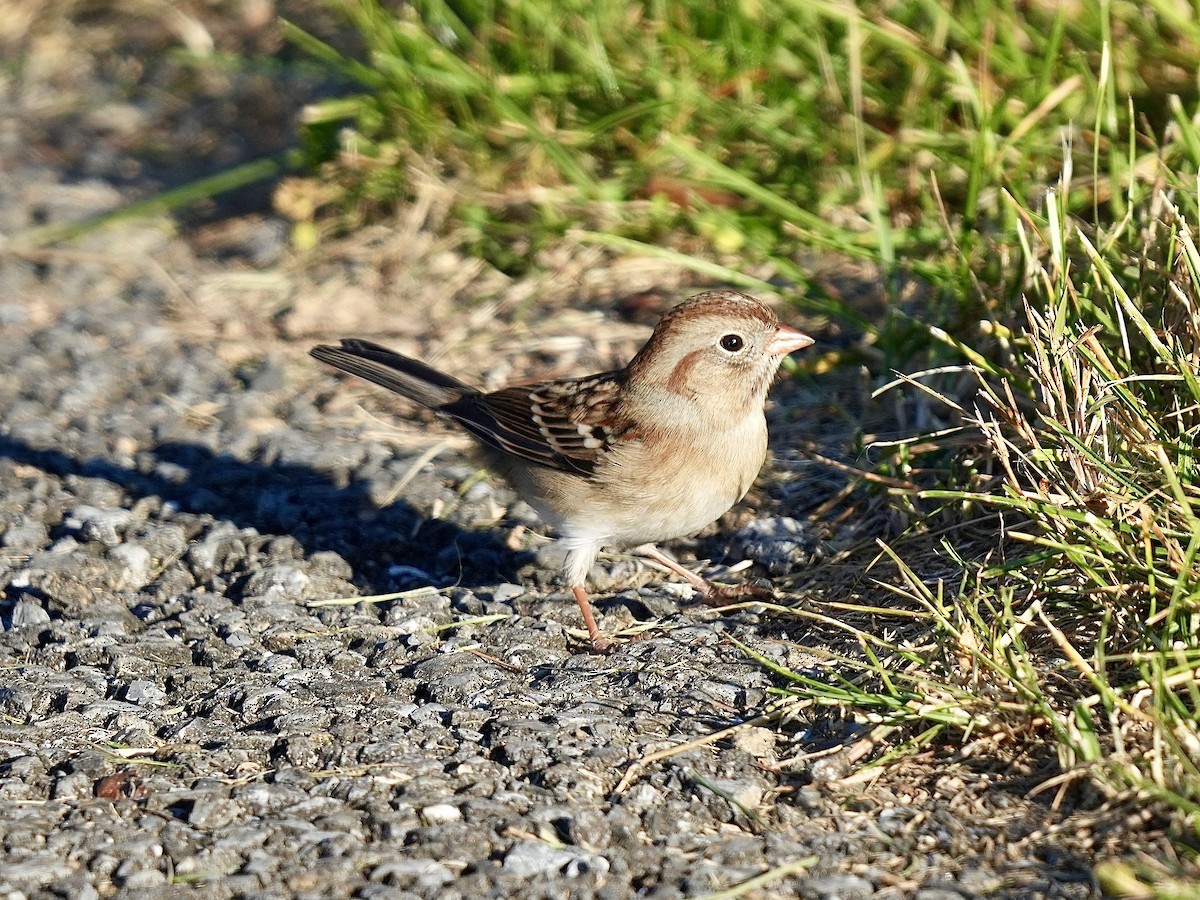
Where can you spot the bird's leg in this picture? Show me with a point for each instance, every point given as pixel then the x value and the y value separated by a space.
pixel 703 585
pixel 710 594
pixel 600 644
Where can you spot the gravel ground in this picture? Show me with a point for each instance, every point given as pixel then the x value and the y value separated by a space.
pixel 180 489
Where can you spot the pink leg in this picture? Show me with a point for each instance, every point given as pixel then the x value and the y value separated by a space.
pixel 600 644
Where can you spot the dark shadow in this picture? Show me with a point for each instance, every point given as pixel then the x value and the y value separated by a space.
pixel 300 502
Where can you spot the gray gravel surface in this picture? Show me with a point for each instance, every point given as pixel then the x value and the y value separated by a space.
pixel 179 714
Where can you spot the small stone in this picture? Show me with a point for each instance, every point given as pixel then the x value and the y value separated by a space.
pixel 16 704
pixel 530 858
pixel 758 742
pixel 28 612
pixel 408 575
pixel 417 873
pixel 893 821
pixel 134 878
pixel 42 870
pixel 278 582
pixel 25 767
pixel 779 543
pixel 76 786
pixel 105 526
pixel 841 887
pixel 210 814
pixel 135 564
pixel 25 536
pixel 507 591
pixel 409 624
pixel 746 794
pixel 144 693
pixel 441 813
pixel 326 562
pixel 587 828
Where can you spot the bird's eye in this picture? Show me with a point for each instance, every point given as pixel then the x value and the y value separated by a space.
pixel 731 343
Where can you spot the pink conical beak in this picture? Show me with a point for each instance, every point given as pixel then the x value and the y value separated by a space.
pixel 786 340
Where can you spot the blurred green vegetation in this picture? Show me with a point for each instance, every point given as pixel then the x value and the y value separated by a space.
pixel 750 124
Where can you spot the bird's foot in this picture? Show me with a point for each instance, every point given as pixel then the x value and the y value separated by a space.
pixel 708 592
pixel 712 594
pixel 601 645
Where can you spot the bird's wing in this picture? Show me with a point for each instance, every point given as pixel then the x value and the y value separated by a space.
pixel 567 425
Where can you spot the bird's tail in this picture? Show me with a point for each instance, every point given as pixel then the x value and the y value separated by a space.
pixel 398 373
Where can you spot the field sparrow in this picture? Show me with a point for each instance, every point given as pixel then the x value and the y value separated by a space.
pixel 650 452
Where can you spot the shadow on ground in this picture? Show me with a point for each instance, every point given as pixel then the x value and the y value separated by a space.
pixel 382 545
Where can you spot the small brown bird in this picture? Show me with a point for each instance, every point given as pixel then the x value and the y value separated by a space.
pixel 650 452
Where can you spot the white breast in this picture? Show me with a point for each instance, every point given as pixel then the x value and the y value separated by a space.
pixel 650 496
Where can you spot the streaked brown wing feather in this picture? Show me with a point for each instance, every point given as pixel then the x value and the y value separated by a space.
pixel 555 424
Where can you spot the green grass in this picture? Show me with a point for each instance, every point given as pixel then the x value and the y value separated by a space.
pixel 747 122
pixel 1035 165
pixel 1073 623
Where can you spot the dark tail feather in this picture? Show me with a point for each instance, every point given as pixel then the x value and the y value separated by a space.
pixel 389 369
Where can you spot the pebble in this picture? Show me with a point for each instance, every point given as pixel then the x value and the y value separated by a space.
pixel 778 543
pixel 135 563
pixel 528 859
pixel 102 525
pixel 420 874
pixel 441 813
pixel 145 693
pixel 25 536
pixel 28 612
pixel 507 591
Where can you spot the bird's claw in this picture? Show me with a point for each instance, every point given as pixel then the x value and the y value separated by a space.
pixel 720 594
pixel 602 646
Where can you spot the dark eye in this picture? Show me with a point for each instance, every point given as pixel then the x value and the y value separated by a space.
pixel 731 343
